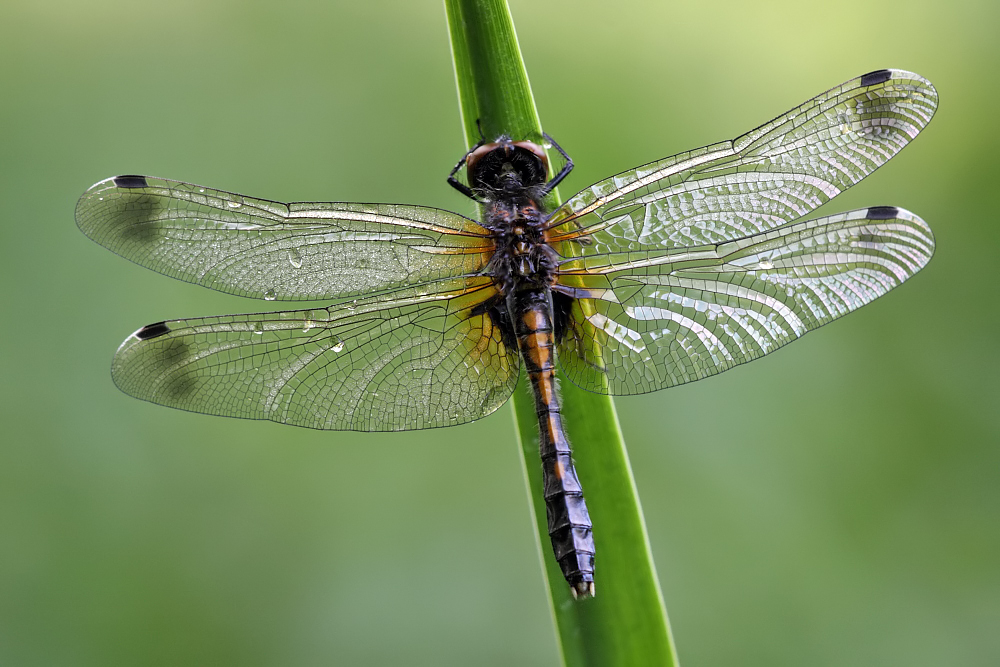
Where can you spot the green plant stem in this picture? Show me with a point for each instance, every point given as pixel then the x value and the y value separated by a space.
pixel 626 623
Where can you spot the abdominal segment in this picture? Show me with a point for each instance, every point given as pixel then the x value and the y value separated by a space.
pixel 569 523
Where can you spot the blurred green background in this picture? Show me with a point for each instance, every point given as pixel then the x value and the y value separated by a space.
pixel 837 503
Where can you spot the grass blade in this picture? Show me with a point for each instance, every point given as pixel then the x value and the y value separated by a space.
pixel 626 624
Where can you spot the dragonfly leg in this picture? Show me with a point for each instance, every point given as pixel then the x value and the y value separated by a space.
pixel 457 184
pixel 564 172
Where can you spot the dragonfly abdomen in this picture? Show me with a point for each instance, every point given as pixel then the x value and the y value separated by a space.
pixel 570 528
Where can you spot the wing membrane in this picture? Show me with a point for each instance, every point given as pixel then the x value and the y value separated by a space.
pixel 413 361
pixel 765 178
pixel 264 249
pixel 666 318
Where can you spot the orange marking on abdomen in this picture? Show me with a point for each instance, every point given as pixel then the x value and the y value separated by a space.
pixel 546 388
pixel 551 430
pixel 539 348
pixel 535 320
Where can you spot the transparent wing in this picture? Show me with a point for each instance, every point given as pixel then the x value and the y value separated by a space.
pixel 772 175
pixel 412 361
pixel 264 249
pixel 670 317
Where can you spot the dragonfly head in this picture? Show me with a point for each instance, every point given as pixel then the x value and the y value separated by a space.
pixel 506 166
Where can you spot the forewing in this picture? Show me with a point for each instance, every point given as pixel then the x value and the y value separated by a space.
pixel 413 361
pixel 264 249
pixel 667 318
pixel 772 175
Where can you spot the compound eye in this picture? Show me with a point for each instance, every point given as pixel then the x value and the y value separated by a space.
pixel 537 151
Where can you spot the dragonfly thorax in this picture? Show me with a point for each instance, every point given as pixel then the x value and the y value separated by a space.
pixel 522 257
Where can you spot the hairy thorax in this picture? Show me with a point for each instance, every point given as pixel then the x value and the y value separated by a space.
pixel 523 259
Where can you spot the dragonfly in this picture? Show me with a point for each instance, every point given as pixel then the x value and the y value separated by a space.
pixel 665 274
